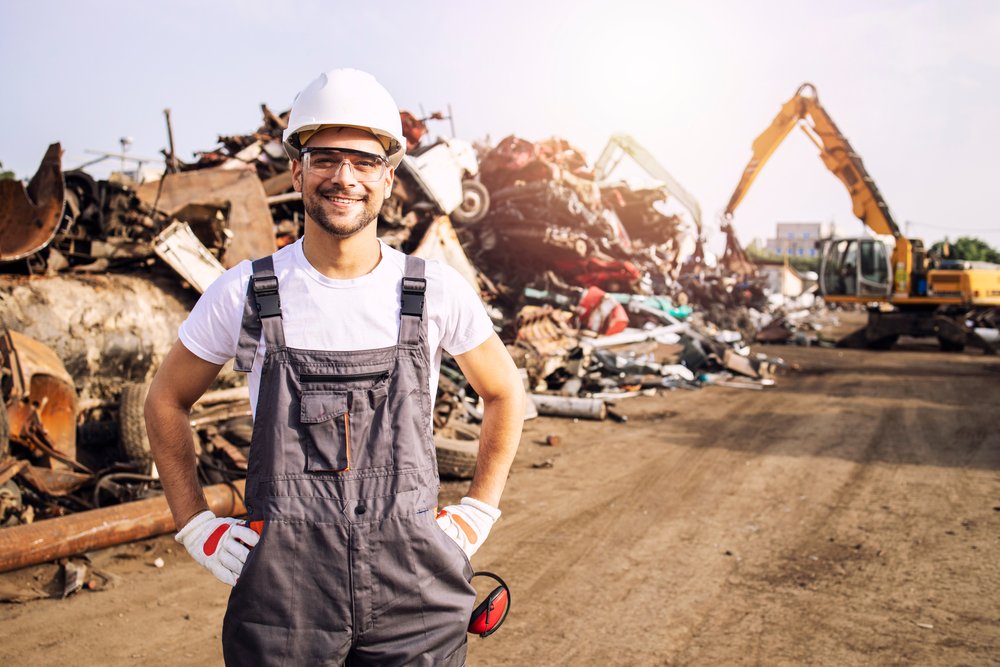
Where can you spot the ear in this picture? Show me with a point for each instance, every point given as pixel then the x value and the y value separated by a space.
pixel 390 175
pixel 297 175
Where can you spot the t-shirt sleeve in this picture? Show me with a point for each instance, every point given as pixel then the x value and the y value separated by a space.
pixel 466 325
pixel 212 328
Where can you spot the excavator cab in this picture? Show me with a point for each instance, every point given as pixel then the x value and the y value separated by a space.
pixel 855 268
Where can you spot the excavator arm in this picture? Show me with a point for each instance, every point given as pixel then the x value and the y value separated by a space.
pixel 805 111
pixel 620 145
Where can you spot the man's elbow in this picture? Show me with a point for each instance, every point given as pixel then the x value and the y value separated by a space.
pixel 510 392
pixel 519 396
pixel 162 409
pixel 156 410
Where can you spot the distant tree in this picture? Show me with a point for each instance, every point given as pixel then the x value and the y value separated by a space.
pixel 4 174
pixel 800 263
pixel 967 247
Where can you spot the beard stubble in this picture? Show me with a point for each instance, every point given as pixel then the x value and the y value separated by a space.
pixel 314 203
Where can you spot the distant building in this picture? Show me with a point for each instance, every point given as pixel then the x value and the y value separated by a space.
pixel 798 239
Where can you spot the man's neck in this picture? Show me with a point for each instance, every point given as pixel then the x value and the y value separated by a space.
pixel 341 259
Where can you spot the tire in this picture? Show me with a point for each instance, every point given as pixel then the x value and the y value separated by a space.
pixel 475 202
pixel 456 458
pixel 238 431
pixel 883 343
pixel 946 345
pixel 132 426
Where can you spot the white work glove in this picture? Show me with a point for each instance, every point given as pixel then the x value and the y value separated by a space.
pixel 468 523
pixel 220 545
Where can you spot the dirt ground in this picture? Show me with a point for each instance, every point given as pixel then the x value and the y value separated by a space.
pixel 848 515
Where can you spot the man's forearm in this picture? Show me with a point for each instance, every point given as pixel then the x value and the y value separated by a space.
pixel 498 440
pixel 173 450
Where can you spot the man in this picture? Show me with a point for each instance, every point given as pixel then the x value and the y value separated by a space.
pixel 342 560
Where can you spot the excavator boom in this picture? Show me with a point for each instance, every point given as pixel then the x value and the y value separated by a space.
pixel 611 157
pixel 805 111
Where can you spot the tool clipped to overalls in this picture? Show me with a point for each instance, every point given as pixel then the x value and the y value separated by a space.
pixel 490 614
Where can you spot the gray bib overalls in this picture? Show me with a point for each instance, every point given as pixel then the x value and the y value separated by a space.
pixel 351 567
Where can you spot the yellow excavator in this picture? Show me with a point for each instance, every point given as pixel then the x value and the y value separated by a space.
pixel 907 292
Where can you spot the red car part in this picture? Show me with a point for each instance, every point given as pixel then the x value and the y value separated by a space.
pixel 490 614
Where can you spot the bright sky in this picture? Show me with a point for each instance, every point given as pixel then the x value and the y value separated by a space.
pixel 915 86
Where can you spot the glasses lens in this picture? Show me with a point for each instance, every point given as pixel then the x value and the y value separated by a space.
pixel 327 163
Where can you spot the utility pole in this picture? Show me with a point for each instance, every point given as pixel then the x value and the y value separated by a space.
pixel 172 166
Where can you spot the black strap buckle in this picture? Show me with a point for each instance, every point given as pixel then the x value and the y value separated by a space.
pixel 265 293
pixel 413 296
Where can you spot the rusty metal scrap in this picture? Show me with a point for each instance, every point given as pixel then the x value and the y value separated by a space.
pixel 30 216
pixel 549 243
pixel 548 214
pixel 40 399
pixel 734 258
pixel 70 221
pixel 546 330
pixel 245 230
pixel 54 482
pixel 42 473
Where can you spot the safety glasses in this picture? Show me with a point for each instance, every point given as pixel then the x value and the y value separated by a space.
pixel 326 163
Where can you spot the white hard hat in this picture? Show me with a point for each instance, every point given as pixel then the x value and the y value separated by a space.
pixel 345 98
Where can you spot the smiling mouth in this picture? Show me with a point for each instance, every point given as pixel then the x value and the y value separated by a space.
pixel 340 199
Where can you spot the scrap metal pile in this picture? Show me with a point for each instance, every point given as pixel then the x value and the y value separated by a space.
pixel 586 279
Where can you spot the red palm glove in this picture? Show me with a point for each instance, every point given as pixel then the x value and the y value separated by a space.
pixel 219 544
pixel 468 523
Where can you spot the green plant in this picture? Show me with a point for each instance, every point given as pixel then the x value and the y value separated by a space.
pixel 968 248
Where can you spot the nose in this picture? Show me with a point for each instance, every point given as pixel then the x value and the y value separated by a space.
pixel 344 173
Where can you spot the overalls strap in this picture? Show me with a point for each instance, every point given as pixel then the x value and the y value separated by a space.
pixel 412 320
pixel 261 311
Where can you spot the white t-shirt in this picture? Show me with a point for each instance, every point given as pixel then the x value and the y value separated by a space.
pixel 320 313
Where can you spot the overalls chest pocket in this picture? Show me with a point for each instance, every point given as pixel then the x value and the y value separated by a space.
pixel 346 430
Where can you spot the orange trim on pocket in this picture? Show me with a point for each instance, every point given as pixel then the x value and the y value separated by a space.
pixel 347 437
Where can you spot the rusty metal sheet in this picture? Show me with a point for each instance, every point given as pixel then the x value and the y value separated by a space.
pixel 278 184
pixel 249 214
pixel 29 216
pixel 41 378
pixel 54 482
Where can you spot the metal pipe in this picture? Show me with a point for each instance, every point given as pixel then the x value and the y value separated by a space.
pixel 47 540
pixel 570 406
pixel 284 198
pixel 224 396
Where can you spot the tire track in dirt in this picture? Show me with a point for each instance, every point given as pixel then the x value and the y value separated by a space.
pixel 819 588
pixel 584 568
pixel 698 473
